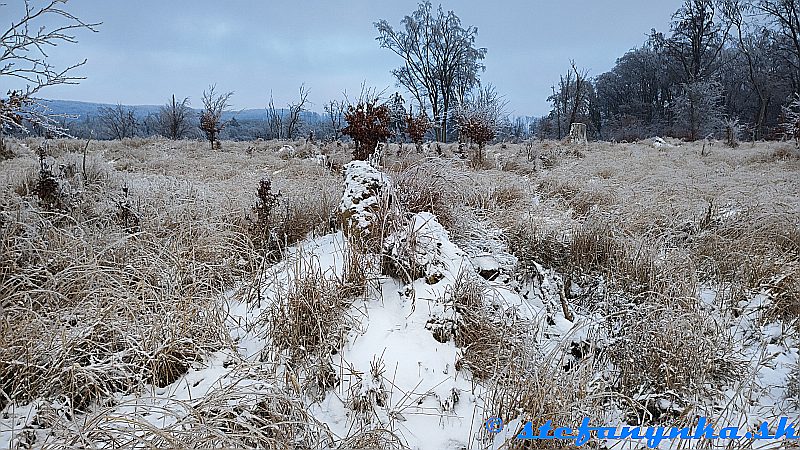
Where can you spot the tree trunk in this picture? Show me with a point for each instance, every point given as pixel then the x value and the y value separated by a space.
pixel 443 129
pixel 557 104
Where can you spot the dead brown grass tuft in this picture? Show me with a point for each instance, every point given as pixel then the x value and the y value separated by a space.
pixel 489 342
pixel 671 350
pixel 311 317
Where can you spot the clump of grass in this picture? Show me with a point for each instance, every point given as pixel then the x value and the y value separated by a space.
pixel 495 196
pixel 597 245
pixel 581 195
pixel 311 317
pixel 662 349
pixel 488 341
pixel 784 153
pixel 403 256
pixel 91 353
pixel 368 393
pixel 244 414
pixel 376 438
pixel 535 388
pixel 427 186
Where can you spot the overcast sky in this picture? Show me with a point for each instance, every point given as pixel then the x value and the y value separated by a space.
pixel 147 50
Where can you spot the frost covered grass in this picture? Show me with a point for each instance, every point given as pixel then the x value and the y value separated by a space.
pixel 662 221
pixel 397 306
pixel 123 287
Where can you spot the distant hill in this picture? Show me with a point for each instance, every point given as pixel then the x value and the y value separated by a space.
pixel 86 109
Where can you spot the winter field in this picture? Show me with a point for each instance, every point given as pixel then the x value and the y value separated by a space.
pixel 159 294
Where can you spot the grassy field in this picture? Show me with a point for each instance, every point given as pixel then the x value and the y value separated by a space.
pixel 121 264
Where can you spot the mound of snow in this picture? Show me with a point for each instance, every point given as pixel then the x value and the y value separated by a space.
pixel 659 142
pixel 365 189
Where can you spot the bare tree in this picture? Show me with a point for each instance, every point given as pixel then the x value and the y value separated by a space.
pixel 294 120
pixel 571 99
pixel 119 122
pixel 24 60
pixel 334 111
pixel 286 123
pixel 735 11
pixel 580 82
pixel 214 105
pixel 785 16
pixel 698 39
pixel 174 118
pixel 441 61
pixel 274 120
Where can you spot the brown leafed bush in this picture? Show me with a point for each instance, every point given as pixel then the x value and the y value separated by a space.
pixel 214 105
pixel 367 123
pixel 416 127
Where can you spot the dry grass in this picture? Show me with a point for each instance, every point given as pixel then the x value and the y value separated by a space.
pixel 311 316
pixel 95 303
pixel 661 221
pixel 489 341
pixel 373 439
pixel 676 352
pixel 536 389
pixel 428 185
pixel 91 306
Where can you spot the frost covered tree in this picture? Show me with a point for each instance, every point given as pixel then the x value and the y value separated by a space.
pixel 441 61
pixel 791 120
pixel 26 64
pixel 479 118
pixel 398 115
pixel 698 109
pixel 214 105
pixel 174 119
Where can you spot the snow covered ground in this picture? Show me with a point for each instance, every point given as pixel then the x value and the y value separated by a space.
pixel 394 379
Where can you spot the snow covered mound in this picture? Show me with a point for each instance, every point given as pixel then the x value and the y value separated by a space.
pixel 416 250
pixel 395 375
pixel 366 188
pixel 659 142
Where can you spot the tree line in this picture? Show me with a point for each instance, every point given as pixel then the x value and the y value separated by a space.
pixel 723 66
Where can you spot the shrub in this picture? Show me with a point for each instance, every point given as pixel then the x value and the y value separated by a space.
pixel 367 123
pixel 416 127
